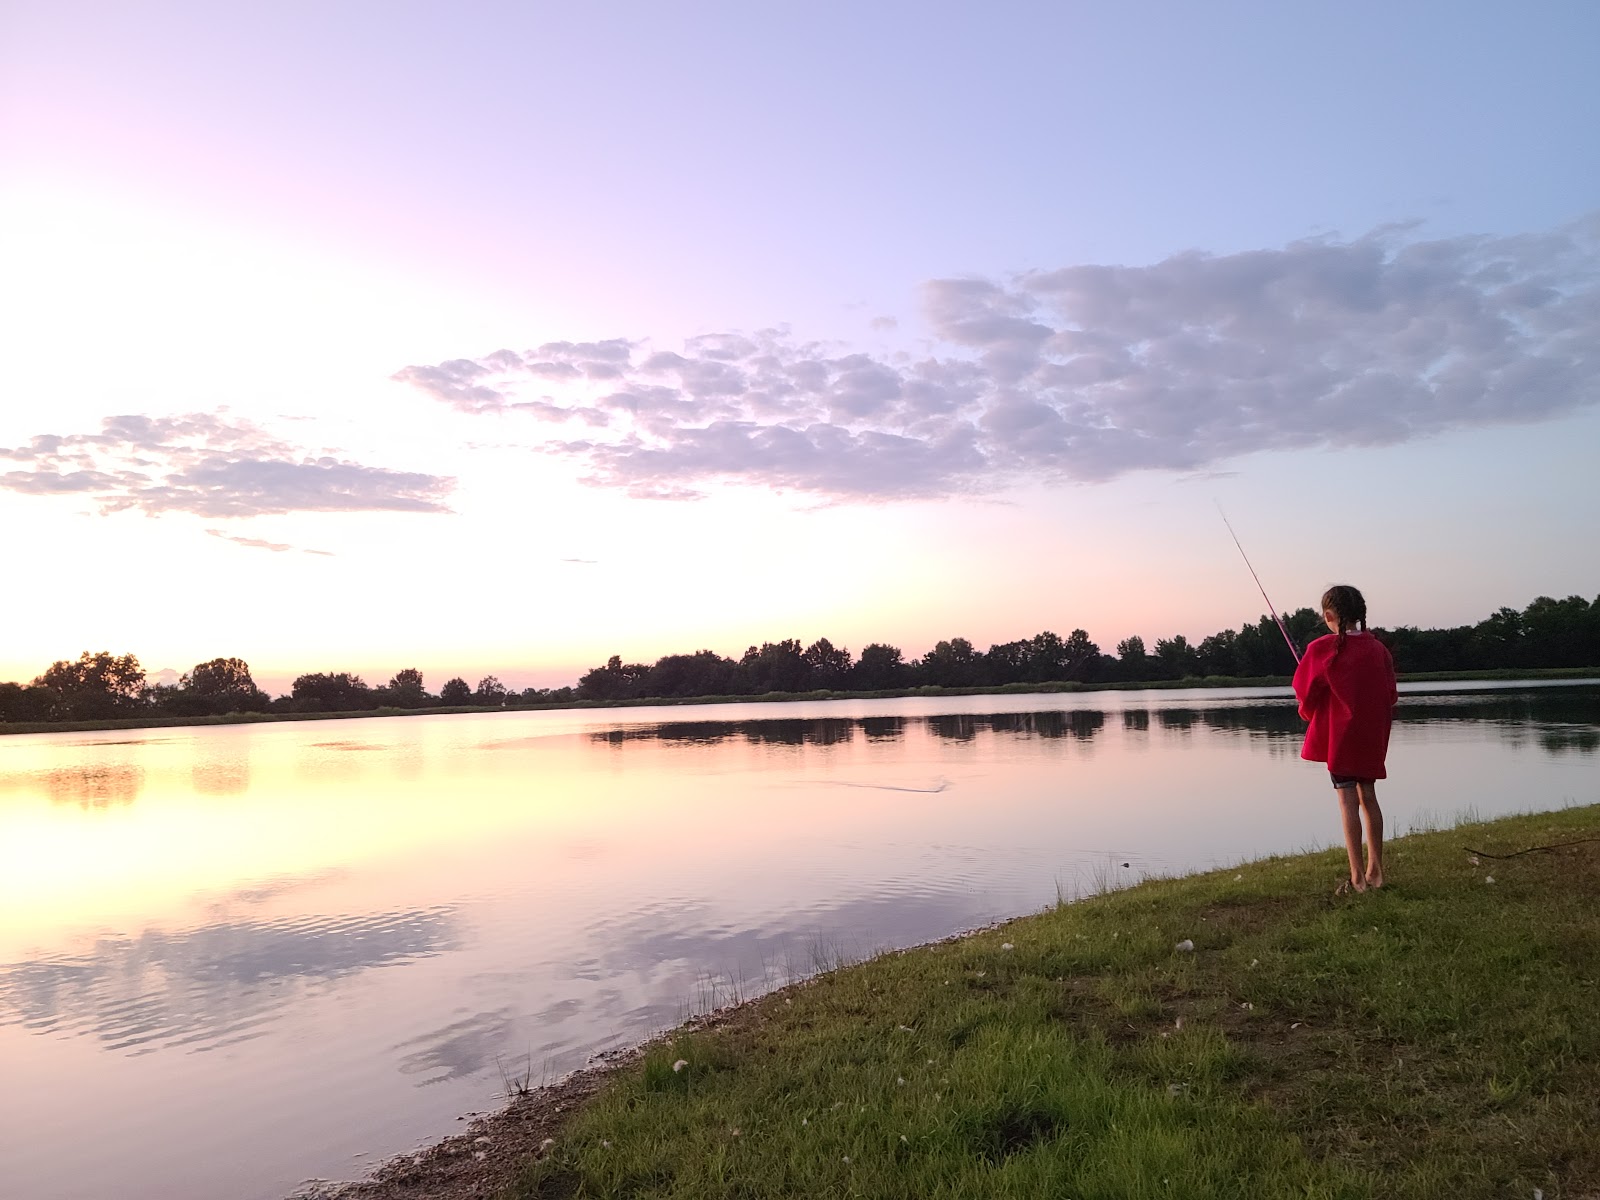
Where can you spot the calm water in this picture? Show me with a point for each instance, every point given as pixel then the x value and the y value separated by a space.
pixel 235 958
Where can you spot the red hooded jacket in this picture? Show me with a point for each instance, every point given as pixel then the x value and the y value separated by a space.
pixel 1348 696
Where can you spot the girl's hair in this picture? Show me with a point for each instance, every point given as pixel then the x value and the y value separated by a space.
pixel 1344 602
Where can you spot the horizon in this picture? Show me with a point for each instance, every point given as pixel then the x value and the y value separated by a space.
pixel 434 677
pixel 517 354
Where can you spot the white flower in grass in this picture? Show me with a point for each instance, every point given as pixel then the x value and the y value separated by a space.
pixel 805 1120
pixel 1488 878
pixel 605 1144
pixel 845 1158
pixel 1237 878
pixel 900 1081
pixel 1007 946
pixel 679 1065
pixel 1186 946
pixel 905 1139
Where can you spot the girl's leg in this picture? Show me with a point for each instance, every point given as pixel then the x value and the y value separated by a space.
pixel 1367 792
pixel 1350 816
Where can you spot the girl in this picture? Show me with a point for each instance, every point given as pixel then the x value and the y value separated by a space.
pixel 1346 687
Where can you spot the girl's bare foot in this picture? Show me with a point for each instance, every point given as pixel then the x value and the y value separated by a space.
pixel 1374 882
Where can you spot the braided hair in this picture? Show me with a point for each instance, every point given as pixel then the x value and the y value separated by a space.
pixel 1345 603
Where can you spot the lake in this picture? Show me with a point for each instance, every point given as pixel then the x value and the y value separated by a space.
pixel 234 958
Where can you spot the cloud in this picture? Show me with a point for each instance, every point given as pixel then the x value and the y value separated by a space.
pixel 210 465
pixel 261 543
pixel 1085 373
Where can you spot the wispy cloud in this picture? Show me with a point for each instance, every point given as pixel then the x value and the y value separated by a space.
pixel 1085 373
pixel 211 465
pixel 261 543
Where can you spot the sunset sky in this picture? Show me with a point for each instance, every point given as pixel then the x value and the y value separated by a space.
pixel 504 337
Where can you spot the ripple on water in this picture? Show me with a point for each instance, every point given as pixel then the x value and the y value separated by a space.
pixel 212 985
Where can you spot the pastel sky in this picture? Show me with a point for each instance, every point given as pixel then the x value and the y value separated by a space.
pixel 504 337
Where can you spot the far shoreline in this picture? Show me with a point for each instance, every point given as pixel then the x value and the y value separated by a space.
pixel 1500 675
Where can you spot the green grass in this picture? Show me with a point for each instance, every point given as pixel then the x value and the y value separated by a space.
pixel 1438 1039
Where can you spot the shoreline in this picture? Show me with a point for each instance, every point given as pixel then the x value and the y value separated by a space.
pixel 1289 1050
pixel 1544 674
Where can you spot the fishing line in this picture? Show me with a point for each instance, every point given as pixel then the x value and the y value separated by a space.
pixel 1281 627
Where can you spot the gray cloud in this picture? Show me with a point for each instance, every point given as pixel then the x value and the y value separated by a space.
pixel 1085 373
pixel 210 465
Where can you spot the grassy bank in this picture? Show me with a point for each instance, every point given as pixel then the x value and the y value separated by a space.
pixel 1436 1039
pixel 1010 689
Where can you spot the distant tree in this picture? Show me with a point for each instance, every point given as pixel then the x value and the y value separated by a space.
pixel 223 685
pixel 1132 660
pixel 97 685
pixel 829 665
pixel 1177 657
pixel 880 668
pixel 775 667
pixel 614 681
pixel 703 673
pixel 18 703
pixel 455 692
pixel 950 664
pixel 491 693
pixel 340 692
pixel 406 689
pixel 1005 663
pixel 1080 657
pixel 1498 639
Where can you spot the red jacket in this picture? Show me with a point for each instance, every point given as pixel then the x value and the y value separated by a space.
pixel 1349 699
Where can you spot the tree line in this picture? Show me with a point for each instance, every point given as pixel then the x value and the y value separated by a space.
pixel 102 685
pixel 1548 633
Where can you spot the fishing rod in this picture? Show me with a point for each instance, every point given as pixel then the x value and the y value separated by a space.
pixel 1283 629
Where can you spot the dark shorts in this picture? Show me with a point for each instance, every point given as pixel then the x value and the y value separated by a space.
pixel 1340 782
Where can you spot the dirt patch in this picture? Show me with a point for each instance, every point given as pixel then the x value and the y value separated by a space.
pixel 490 1154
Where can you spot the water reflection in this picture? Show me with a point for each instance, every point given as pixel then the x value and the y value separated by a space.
pixel 210 986
pixel 93 786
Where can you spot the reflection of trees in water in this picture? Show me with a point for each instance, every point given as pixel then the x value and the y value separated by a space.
pixel 1567 718
pixel 207 987
pixel 823 731
pixel 883 729
pixel 958 727
pixel 1562 720
pixel 89 786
